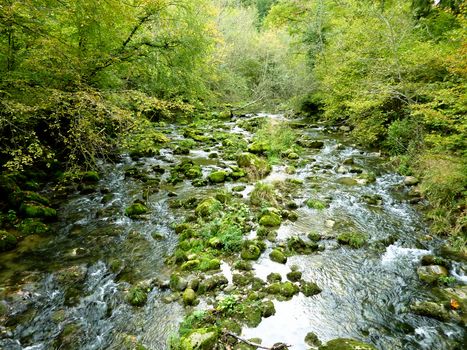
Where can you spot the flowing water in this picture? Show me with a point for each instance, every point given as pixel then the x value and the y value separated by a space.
pixel 100 252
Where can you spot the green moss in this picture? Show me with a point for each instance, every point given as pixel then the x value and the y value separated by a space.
pixel 91 176
pixel 208 207
pixel 200 339
pixel 270 220
pixel 258 147
pixel 314 236
pixel 268 309
pixel 316 204
pixel 250 252
pixel 288 289
pixel 346 344
pixel 137 296
pixel 309 288
pixel 33 227
pixel 354 239
pixel 7 241
pixel 299 246
pixel 135 210
pixel 263 195
pixel 209 264
pixel 37 210
pixel 189 296
pixel 255 167
pixel 278 256
pixel 294 276
pixel 218 176
pixel 190 265
pixel 274 277
pixel 243 265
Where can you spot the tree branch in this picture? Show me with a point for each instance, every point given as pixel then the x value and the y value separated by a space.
pixel 278 346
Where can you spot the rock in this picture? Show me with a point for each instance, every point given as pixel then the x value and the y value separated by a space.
pixel 312 339
pixel 372 199
pixel 274 277
pixel 293 156
pixel 36 210
pixel 250 252
pixel 344 128
pixel 329 223
pixel 342 170
pixel 189 297
pixel 243 265
pixel 348 161
pixel 238 188
pixel 278 256
pixel 135 210
pixel 310 143
pixel 157 236
pixel 347 181
pixel 353 239
pixel 91 176
pixel 346 344
pixel 410 181
pixel 200 339
pixel 7 241
pixel 255 167
pixel 178 283
pixel 190 265
pixel 218 176
pixel 297 245
pixel 314 236
pixel 316 204
pixel 309 288
pixel 288 289
pixel 270 219
pixel 294 276
pixel 137 296
pixel 268 309
pixel 431 273
pixel 208 207
pixel 213 283
pixel 430 309
pixel 210 264
pixel 258 147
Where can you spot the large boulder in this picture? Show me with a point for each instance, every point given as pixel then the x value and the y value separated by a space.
pixel 270 219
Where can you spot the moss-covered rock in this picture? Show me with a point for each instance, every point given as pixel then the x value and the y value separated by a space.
pixel 270 219
pixel 209 264
pixel 200 339
pixel 298 246
pixel 288 289
pixel 250 252
pixel 430 309
pixel 7 241
pixel 294 276
pixel 314 203
pixel 353 239
pixel 189 297
pixel 177 283
pixel 190 265
pixel 136 209
pixel 256 168
pixel 31 226
pixel 431 273
pixel 346 344
pixel 243 265
pixel 268 309
pixel 213 283
pixel 37 210
pixel 314 236
pixel 274 277
pixel 91 176
pixel 137 296
pixel 208 207
pixel 278 256
pixel 309 288
pixel 258 147
pixel 218 176
pixel 312 339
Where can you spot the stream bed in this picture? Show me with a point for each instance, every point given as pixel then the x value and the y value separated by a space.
pixel 67 290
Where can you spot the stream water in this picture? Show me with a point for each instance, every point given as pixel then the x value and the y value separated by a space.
pixel 97 249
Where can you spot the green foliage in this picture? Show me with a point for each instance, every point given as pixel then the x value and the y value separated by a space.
pixel 263 195
pixel 277 138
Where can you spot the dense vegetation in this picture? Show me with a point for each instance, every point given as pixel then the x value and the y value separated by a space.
pixel 77 77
